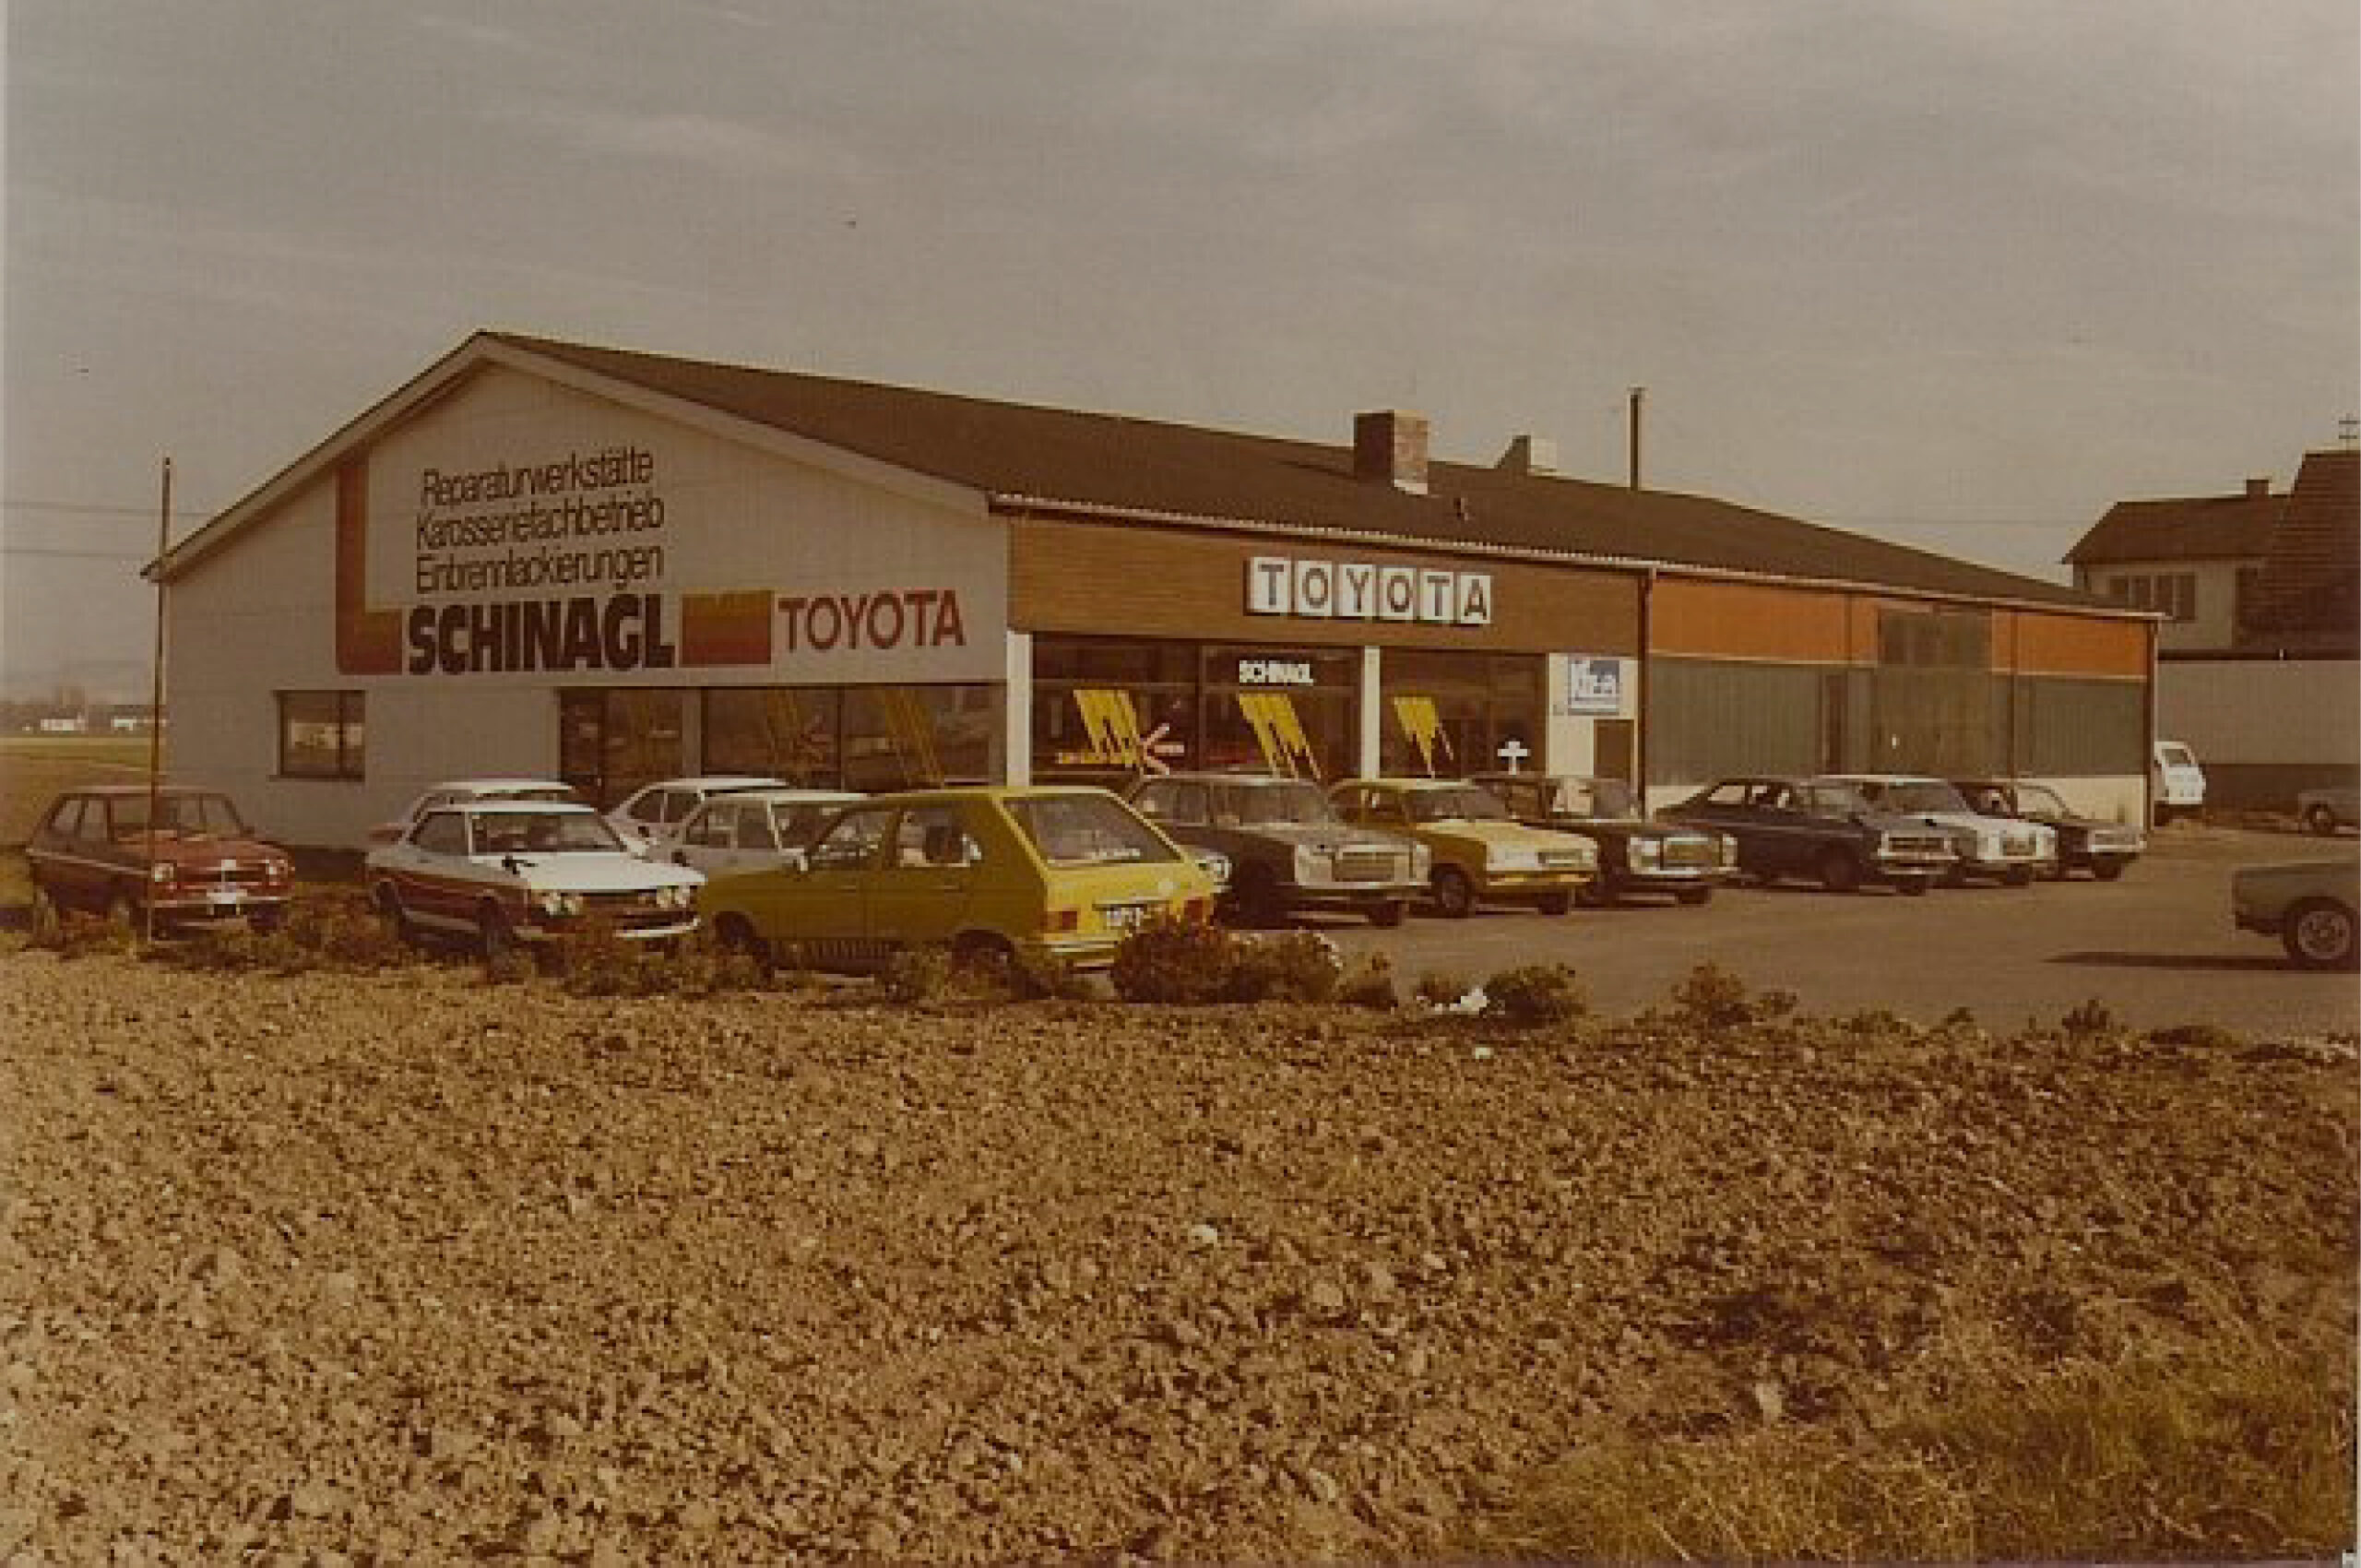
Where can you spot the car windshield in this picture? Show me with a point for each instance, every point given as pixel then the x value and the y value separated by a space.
pixel 1087 830
pixel 1917 795
pixel 1463 802
pixel 544 833
pixel 1264 806
pixel 1602 798
pixel 2040 800
pixel 178 816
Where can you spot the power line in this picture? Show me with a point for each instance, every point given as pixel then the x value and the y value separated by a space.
pixel 88 508
pixel 56 553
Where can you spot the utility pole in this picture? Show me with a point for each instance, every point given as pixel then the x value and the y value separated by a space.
pixel 155 707
pixel 1638 394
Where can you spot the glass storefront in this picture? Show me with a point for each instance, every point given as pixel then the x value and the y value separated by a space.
pixel 1447 712
pixel 1105 711
pixel 612 741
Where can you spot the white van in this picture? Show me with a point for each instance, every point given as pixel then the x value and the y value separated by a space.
pixel 2176 782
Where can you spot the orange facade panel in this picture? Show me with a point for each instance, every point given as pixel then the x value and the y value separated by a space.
pixel 1714 620
pixel 2041 644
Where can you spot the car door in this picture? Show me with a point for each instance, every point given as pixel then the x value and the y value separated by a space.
pixel 59 858
pixel 823 908
pixel 920 892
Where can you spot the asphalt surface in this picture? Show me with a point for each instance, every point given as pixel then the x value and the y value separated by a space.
pixel 2156 948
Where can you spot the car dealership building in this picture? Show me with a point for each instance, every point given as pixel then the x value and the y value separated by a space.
pixel 541 558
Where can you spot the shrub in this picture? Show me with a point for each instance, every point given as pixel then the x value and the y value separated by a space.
pixel 511 968
pixel 1438 988
pixel 1370 984
pixel 1170 960
pixel 1713 997
pixel 2205 1036
pixel 1300 966
pixel 2089 1020
pixel 340 928
pixel 915 975
pixel 592 958
pixel 78 935
pixel 1536 993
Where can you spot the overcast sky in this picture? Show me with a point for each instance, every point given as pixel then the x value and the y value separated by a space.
pixel 1960 272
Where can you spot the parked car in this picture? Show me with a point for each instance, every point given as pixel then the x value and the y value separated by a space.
pixel 91 854
pixel 2084 843
pixel 1997 848
pixel 1287 849
pixel 500 873
pixel 1060 873
pixel 455 790
pixel 650 817
pixel 2307 905
pixel 2326 809
pixel 2178 783
pixel 1634 854
pixel 753 829
pixel 1817 828
pixel 1479 853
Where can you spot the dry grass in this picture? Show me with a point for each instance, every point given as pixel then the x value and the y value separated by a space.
pixel 33 768
pixel 2244 1455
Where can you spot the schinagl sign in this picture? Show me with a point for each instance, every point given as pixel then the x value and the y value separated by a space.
pixel 1357 590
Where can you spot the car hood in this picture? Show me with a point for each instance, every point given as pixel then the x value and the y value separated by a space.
pixel 1318 835
pixel 211 852
pixel 1505 835
pixel 592 873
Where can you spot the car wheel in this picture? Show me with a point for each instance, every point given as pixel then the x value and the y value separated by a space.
pixel 1554 903
pixel 2164 816
pixel 2018 877
pixel 46 921
pixel 2320 820
pixel 493 932
pixel 1913 886
pixel 2109 871
pixel 123 913
pixel 736 934
pixel 1598 892
pixel 1839 872
pixel 1256 898
pixel 1695 896
pixel 1388 914
pixel 2319 934
pixel 1454 894
pixel 389 909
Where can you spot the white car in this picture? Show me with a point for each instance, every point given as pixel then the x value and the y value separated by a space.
pixel 500 873
pixel 751 829
pixel 452 792
pixel 2002 848
pixel 651 818
pixel 2179 782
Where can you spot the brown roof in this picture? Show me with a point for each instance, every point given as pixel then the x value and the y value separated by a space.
pixel 2201 527
pixel 2310 591
pixel 1026 457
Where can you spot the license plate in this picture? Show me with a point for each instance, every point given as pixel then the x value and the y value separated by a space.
pixel 227 898
pixel 1123 917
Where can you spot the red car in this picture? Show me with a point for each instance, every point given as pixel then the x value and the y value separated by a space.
pixel 92 855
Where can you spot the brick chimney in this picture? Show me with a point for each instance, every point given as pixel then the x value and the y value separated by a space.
pixel 1529 455
pixel 1390 445
pixel 2257 487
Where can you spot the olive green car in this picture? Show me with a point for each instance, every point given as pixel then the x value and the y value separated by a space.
pixel 1061 876
pixel 1481 855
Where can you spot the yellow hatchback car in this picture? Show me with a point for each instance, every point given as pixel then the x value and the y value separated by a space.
pixel 1481 853
pixel 1048 874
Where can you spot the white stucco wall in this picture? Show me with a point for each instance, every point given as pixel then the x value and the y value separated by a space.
pixel 257 617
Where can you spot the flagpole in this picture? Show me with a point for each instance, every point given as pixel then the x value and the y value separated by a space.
pixel 156 707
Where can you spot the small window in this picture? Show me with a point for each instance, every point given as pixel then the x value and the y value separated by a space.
pixel 321 735
pixel 932 837
pixel 443 833
pixel 66 820
pixel 1187 806
pixel 755 830
pixel 679 804
pixel 851 844
pixel 710 829
pixel 648 807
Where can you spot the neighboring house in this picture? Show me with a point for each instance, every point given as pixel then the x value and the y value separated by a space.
pixel 2262 591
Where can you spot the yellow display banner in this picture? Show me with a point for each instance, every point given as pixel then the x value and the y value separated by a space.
pixel 1278 730
pixel 1112 724
pixel 1422 724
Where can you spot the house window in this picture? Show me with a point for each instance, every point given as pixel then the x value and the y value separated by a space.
pixel 320 735
pixel 2171 593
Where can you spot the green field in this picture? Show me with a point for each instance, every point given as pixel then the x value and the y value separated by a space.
pixel 33 768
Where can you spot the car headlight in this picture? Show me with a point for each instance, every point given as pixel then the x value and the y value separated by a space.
pixel 1310 864
pixel 1500 857
pixel 560 905
pixel 160 872
pixel 679 896
pixel 1729 849
pixel 1422 862
pixel 1647 851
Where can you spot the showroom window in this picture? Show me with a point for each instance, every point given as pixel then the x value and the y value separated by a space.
pixel 867 738
pixel 321 735
pixel 1106 710
pixel 611 742
pixel 1287 711
pixel 783 732
pixel 1446 714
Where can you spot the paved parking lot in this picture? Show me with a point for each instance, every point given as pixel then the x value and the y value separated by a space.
pixel 2156 947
